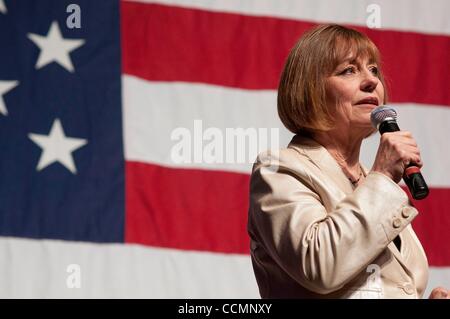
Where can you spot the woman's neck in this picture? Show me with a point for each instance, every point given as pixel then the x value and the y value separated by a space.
pixel 344 148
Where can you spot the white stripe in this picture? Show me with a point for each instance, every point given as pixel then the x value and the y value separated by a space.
pixel 407 15
pixel 156 109
pixel 38 269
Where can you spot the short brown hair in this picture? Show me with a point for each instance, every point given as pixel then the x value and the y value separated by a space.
pixel 301 93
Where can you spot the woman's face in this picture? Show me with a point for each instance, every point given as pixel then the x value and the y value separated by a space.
pixel 353 91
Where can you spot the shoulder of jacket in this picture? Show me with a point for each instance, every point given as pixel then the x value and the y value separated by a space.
pixel 282 161
pixel 284 157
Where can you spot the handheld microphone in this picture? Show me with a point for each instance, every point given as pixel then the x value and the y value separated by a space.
pixel 384 118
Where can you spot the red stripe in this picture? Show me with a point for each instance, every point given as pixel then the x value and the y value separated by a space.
pixel 207 211
pixel 165 43
pixel 432 226
pixel 186 209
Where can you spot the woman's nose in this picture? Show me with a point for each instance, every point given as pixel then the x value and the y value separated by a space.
pixel 369 82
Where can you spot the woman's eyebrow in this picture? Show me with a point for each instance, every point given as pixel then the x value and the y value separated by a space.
pixel 356 61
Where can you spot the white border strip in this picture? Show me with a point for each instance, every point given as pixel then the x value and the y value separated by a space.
pixel 405 15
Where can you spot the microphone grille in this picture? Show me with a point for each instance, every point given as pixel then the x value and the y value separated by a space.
pixel 381 114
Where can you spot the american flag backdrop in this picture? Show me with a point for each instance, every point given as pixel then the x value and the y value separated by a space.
pixel 93 201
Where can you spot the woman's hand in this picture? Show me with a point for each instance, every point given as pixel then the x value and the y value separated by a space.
pixel 396 151
pixel 439 293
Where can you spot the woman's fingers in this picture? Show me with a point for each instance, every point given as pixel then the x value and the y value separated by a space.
pixel 397 150
pixel 439 293
pixel 401 138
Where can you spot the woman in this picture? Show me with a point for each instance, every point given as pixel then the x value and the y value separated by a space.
pixel 321 224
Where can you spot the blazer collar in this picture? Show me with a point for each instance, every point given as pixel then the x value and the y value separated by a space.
pixel 321 158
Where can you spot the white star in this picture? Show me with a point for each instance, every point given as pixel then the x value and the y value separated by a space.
pixel 3 7
pixel 54 48
pixel 5 87
pixel 56 147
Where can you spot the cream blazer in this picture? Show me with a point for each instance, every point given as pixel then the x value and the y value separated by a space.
pixel 314 236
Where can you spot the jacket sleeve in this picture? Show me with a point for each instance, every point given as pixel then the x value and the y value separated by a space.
pixel 323 250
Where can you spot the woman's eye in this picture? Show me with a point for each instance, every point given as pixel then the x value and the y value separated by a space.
pixel 374 70
pixel 349 70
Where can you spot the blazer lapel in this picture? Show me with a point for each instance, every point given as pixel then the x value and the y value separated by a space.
pixel 321 158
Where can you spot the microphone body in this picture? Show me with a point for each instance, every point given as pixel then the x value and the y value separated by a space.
pixel 412 176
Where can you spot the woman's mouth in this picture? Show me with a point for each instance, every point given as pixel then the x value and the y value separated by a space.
pixel 371 101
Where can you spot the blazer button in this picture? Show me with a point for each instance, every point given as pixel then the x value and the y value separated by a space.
pixel 407 211
pixel 409 289
pixel 397 222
